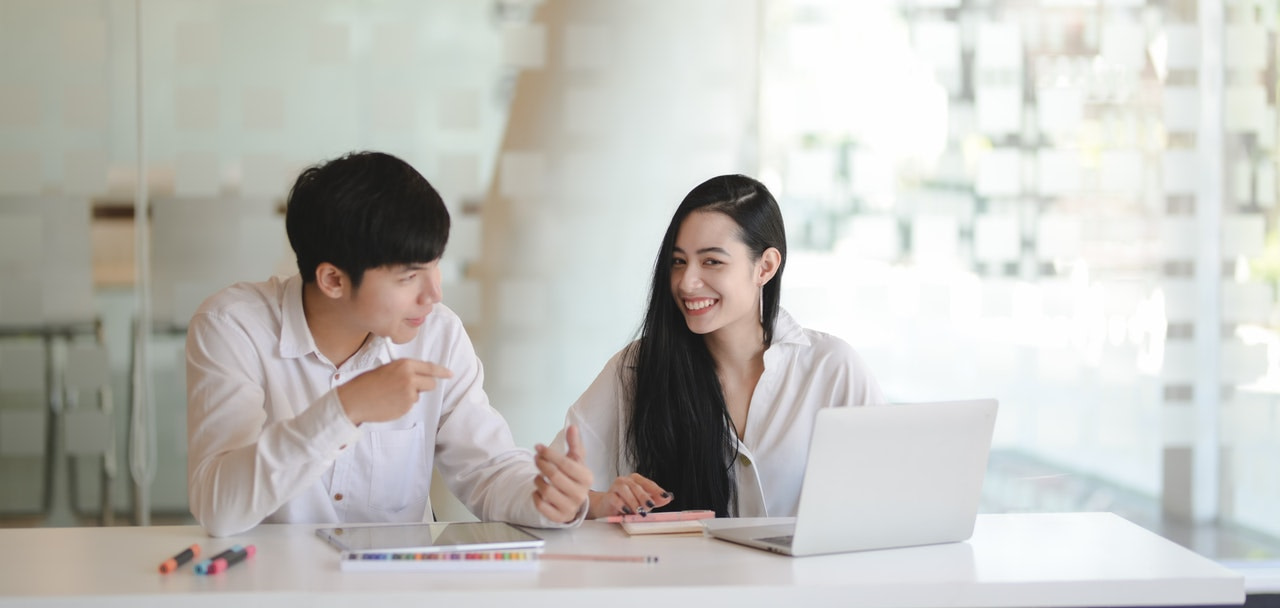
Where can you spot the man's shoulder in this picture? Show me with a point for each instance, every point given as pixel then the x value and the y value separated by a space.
pixel 245 299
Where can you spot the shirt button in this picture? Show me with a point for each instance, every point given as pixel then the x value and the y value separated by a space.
pixel 342 447
pixel 337 376
pixel 337 496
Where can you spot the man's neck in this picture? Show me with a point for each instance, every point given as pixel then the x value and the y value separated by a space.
pixel 330 327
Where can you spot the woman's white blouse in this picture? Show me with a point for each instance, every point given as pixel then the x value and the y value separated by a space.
pixel 804 371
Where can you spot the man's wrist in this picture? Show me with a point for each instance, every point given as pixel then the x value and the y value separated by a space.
pixel 347 410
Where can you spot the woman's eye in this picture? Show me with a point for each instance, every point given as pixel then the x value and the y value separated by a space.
pixel 677 262
pixel 712 262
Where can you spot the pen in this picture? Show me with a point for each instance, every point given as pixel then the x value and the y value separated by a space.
pixel 643 559
pixel 203 567
pixel 221 564
pixel 660 516
pixel 185 556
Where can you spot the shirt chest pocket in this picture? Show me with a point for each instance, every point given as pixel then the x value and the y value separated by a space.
pixel 396 464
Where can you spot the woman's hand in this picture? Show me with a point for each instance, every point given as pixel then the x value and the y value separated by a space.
pixel 630 494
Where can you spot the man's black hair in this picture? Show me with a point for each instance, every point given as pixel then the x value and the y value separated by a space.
pixel 364 210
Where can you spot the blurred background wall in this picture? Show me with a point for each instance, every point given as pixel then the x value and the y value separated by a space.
pixel 1064 204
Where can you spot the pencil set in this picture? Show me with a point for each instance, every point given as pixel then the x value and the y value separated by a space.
pixel 392 561
pixel 411 561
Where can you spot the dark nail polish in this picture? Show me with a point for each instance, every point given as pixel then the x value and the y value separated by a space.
pixel 649 503
pixel 642 512
pixel 626 510
pixel 666 494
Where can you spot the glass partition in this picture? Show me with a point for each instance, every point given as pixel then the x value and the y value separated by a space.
pixel 1064 205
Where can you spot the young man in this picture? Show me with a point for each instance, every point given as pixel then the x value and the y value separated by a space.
pixel 329 396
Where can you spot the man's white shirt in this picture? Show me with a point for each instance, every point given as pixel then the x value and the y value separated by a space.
pixel 268 440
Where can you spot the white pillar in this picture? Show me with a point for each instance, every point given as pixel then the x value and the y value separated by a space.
pixel 1192 472
pixel 619 109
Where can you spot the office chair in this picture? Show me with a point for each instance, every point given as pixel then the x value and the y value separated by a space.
pixel 46 314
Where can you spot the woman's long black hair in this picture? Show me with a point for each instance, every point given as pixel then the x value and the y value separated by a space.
pixel 679 433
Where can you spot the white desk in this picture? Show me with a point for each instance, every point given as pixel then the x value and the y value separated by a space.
pixel 1075 559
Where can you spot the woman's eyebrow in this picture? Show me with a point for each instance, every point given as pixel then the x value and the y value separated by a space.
pixel 719 250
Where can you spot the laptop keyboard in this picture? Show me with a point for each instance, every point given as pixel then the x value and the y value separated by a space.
pixel 785 541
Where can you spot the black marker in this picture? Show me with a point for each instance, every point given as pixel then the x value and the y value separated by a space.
pixel 187 555
pixel 220 565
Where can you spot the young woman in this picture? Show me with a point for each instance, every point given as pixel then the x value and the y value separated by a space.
pixel 713 406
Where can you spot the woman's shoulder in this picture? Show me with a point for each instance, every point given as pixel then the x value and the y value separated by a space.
pixel 826 349
pixel 624 359
pixel 606 394
pixel 823 342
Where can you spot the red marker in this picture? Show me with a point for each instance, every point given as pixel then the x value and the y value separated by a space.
pixel 187 555
pixel 220 565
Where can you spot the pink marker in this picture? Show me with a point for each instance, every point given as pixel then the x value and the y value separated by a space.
pixel 659 516
pixel 222 564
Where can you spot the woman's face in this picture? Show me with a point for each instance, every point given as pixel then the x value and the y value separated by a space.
pixel 714 281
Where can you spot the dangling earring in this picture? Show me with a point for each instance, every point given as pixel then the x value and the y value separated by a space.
pixel 760 298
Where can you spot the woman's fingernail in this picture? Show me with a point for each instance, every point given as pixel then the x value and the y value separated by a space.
pixel 642 512
pixel 666 494
pixel 649 503
pixel 626 510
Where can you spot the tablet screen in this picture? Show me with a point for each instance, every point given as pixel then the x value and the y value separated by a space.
pixel 463 536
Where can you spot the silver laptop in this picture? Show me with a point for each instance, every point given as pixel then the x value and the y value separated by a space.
pixel 885 476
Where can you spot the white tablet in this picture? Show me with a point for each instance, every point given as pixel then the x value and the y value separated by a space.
pixel 430 537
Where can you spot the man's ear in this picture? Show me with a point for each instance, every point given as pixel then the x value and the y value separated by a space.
pixel 767 265
pixel 332 281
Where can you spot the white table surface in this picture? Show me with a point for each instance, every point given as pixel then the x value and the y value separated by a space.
pixel 1069 559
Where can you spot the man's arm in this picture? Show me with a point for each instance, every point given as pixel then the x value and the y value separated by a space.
pixel 240 469
pixel 475 451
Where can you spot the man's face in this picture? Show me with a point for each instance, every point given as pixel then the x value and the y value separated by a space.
pixel 394 301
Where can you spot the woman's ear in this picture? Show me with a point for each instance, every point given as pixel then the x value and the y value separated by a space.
pixel 767 265
pixel 331 280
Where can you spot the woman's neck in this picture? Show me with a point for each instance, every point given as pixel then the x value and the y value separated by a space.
pixel 737 351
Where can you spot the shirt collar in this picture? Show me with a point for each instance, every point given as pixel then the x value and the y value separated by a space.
pixel 295 335
pixel 787 331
